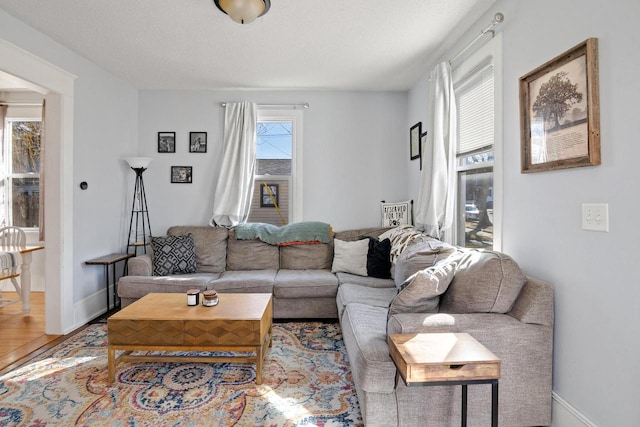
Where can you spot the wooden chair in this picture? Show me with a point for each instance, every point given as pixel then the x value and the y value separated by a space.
pixel 11 236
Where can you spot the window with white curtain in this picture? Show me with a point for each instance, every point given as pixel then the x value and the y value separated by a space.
pixel 476 85
pixel 277 197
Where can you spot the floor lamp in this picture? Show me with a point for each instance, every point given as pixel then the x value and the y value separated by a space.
pixel 139 228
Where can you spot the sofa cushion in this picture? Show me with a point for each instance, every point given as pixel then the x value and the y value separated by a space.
pixel 210 245
pixel 484 282
pixel 376 297
pixel 372 282
pixel 305 284
pixel 251 254
pixel 379 258
pixel 350 257
pixel 306 257
pixel 364 330
pixel 173 255
pixel 243 281
pixel 139 286
pixel 421 292
pixel 418 255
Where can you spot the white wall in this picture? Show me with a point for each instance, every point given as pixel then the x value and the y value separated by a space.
pixel 355 153
pixel 104 130
pixel 597 330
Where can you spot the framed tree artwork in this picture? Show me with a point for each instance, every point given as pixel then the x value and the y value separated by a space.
pixel 560 111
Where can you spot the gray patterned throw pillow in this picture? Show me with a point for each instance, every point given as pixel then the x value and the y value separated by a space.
pixel 173 255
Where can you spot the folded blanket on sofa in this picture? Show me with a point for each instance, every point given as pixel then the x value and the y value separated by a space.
pixel 298 233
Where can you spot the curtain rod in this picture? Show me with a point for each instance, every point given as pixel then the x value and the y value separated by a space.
pixel 21 104
pixel 304 105
pixel 497 18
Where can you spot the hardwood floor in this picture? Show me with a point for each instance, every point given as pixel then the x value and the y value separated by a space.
pixel 21 335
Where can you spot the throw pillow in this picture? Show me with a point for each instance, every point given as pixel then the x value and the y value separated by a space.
pixel 350 257
pixel 379 258
pixel 421 292
pixel 173 255
pixel 485 282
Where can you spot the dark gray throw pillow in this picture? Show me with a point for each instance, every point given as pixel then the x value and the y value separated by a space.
pixel 173 255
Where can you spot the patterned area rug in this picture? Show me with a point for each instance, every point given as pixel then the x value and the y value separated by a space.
pixel 306 382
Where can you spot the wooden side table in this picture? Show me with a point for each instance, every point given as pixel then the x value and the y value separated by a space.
pixel 446 359
pixel 110 260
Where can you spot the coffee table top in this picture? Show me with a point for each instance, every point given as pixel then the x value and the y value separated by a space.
pixel 173 306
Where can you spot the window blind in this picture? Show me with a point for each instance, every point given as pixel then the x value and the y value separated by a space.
pixel 475 111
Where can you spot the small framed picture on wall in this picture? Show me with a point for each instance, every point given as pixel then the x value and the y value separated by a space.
pixel 166 142
pixel 181 174
pixel 269 195
pixel 197 142
pixel 414 140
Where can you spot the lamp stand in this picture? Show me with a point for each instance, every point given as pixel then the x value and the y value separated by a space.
pixel 139 227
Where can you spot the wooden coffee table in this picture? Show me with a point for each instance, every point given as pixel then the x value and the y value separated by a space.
pixel 164 322
pixel 446 359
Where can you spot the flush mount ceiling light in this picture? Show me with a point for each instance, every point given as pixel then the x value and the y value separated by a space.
pixel 243 11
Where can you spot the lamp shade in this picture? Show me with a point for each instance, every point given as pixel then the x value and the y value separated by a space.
pixel 243 11
pixel 138 162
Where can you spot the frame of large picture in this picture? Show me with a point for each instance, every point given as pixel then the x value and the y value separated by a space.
pixel 560 111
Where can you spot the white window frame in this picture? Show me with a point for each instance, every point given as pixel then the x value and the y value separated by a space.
pixel 16 114
pixel 294 116
pixel 489 52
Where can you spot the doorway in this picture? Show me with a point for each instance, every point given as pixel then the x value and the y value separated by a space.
pixel 56 85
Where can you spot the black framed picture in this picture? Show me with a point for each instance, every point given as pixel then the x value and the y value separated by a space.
pixel 414 140
pixel 269 195
pixel 423 143
pixel 166 142
pixel 197 142
pixel 181 174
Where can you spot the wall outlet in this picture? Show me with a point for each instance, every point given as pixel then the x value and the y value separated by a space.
pixel 595 216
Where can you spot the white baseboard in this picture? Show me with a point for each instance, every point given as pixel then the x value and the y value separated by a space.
pixel 565 415
pixel 91 307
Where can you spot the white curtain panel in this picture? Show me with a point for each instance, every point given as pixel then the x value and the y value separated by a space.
pixel 232 199
pixel 437 192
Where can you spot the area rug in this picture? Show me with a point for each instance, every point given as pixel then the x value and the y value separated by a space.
pixel 306 382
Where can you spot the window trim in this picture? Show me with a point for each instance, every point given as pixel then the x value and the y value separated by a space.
pixel 295 180
pixel 25 115
pixel 490 51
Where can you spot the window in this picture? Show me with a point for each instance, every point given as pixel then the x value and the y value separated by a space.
pixel 475 83
pixel 277 195
pixel 20 175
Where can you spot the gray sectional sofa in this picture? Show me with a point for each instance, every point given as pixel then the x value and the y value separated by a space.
pixel 299 276
pixel 435 288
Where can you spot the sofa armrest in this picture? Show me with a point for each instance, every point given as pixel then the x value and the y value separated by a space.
pixel 140 265
pixel 535 303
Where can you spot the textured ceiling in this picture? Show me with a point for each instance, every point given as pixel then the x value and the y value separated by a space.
pixel 298 44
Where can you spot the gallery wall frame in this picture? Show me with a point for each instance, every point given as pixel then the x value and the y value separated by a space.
pixel 166 142
pixel 560 111
pixel 414 140
pixel 197 142
pixel 181 174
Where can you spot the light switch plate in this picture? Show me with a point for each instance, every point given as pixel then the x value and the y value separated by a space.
pixel 595 216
